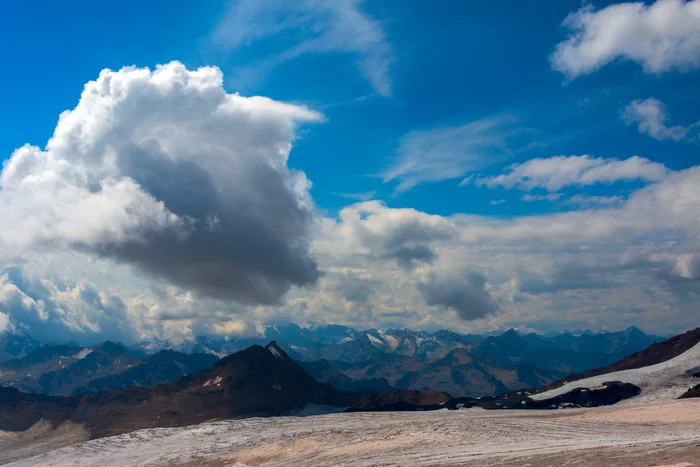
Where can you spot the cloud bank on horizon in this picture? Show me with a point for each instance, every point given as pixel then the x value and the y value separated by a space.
pixel 165 204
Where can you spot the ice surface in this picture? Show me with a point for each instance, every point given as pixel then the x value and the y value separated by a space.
pixel 400 438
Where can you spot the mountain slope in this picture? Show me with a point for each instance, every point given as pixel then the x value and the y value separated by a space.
pixel 256 381
pixel 656 353
pixel 462 373
pixel 663 371
pixel 322 371
pixel 59 370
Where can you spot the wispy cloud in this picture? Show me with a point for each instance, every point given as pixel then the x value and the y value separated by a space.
pixel 363 196
pixel 593 201
pixel 307 27
pixel 529 198
pixel 651 117
pixel 557 172
pixel 426 156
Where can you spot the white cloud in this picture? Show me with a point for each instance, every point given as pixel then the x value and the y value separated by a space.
pixel 184 184
pixel 650 115
pixel 54 311
pixel 592 201
pixel 314 27
pixel 230 328
pixel 558 172
pixel 496 202
pixel 426 156
pixel 166 171
pixel 560 270
pixel 666 209
pixel 687 266
pixel 662 36
pixel 377 232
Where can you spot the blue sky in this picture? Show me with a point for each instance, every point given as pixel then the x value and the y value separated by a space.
pixel 450 63
pixel 421 105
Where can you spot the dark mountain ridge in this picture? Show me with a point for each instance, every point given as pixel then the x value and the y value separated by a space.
pixel 259 381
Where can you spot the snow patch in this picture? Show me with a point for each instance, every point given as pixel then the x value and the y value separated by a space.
pixel 345 340
pixel 82 354
pixel 215 382
pixel 390 340
pixel 275 352
pixel 667 379
pixel 375 341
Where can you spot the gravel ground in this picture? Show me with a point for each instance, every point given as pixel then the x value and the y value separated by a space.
pixel 471 437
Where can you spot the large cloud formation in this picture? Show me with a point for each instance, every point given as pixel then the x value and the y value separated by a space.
pixel 163 169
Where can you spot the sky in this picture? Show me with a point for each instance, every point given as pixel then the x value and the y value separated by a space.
pixel 173 169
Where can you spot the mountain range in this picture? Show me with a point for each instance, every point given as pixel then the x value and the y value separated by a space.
pixel 350 360
pixel 257 381
pixel 69 369
pixel 266 381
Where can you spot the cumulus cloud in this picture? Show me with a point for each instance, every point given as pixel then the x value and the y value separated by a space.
pixel 464 293
pixel 314 27
pixel 57 312
pixel 543 268
pixel 650 116
pixel 164 170
pixel 406 236
pixel 558 172
pixel 426 156
pixel 662 36
pixel 164 207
